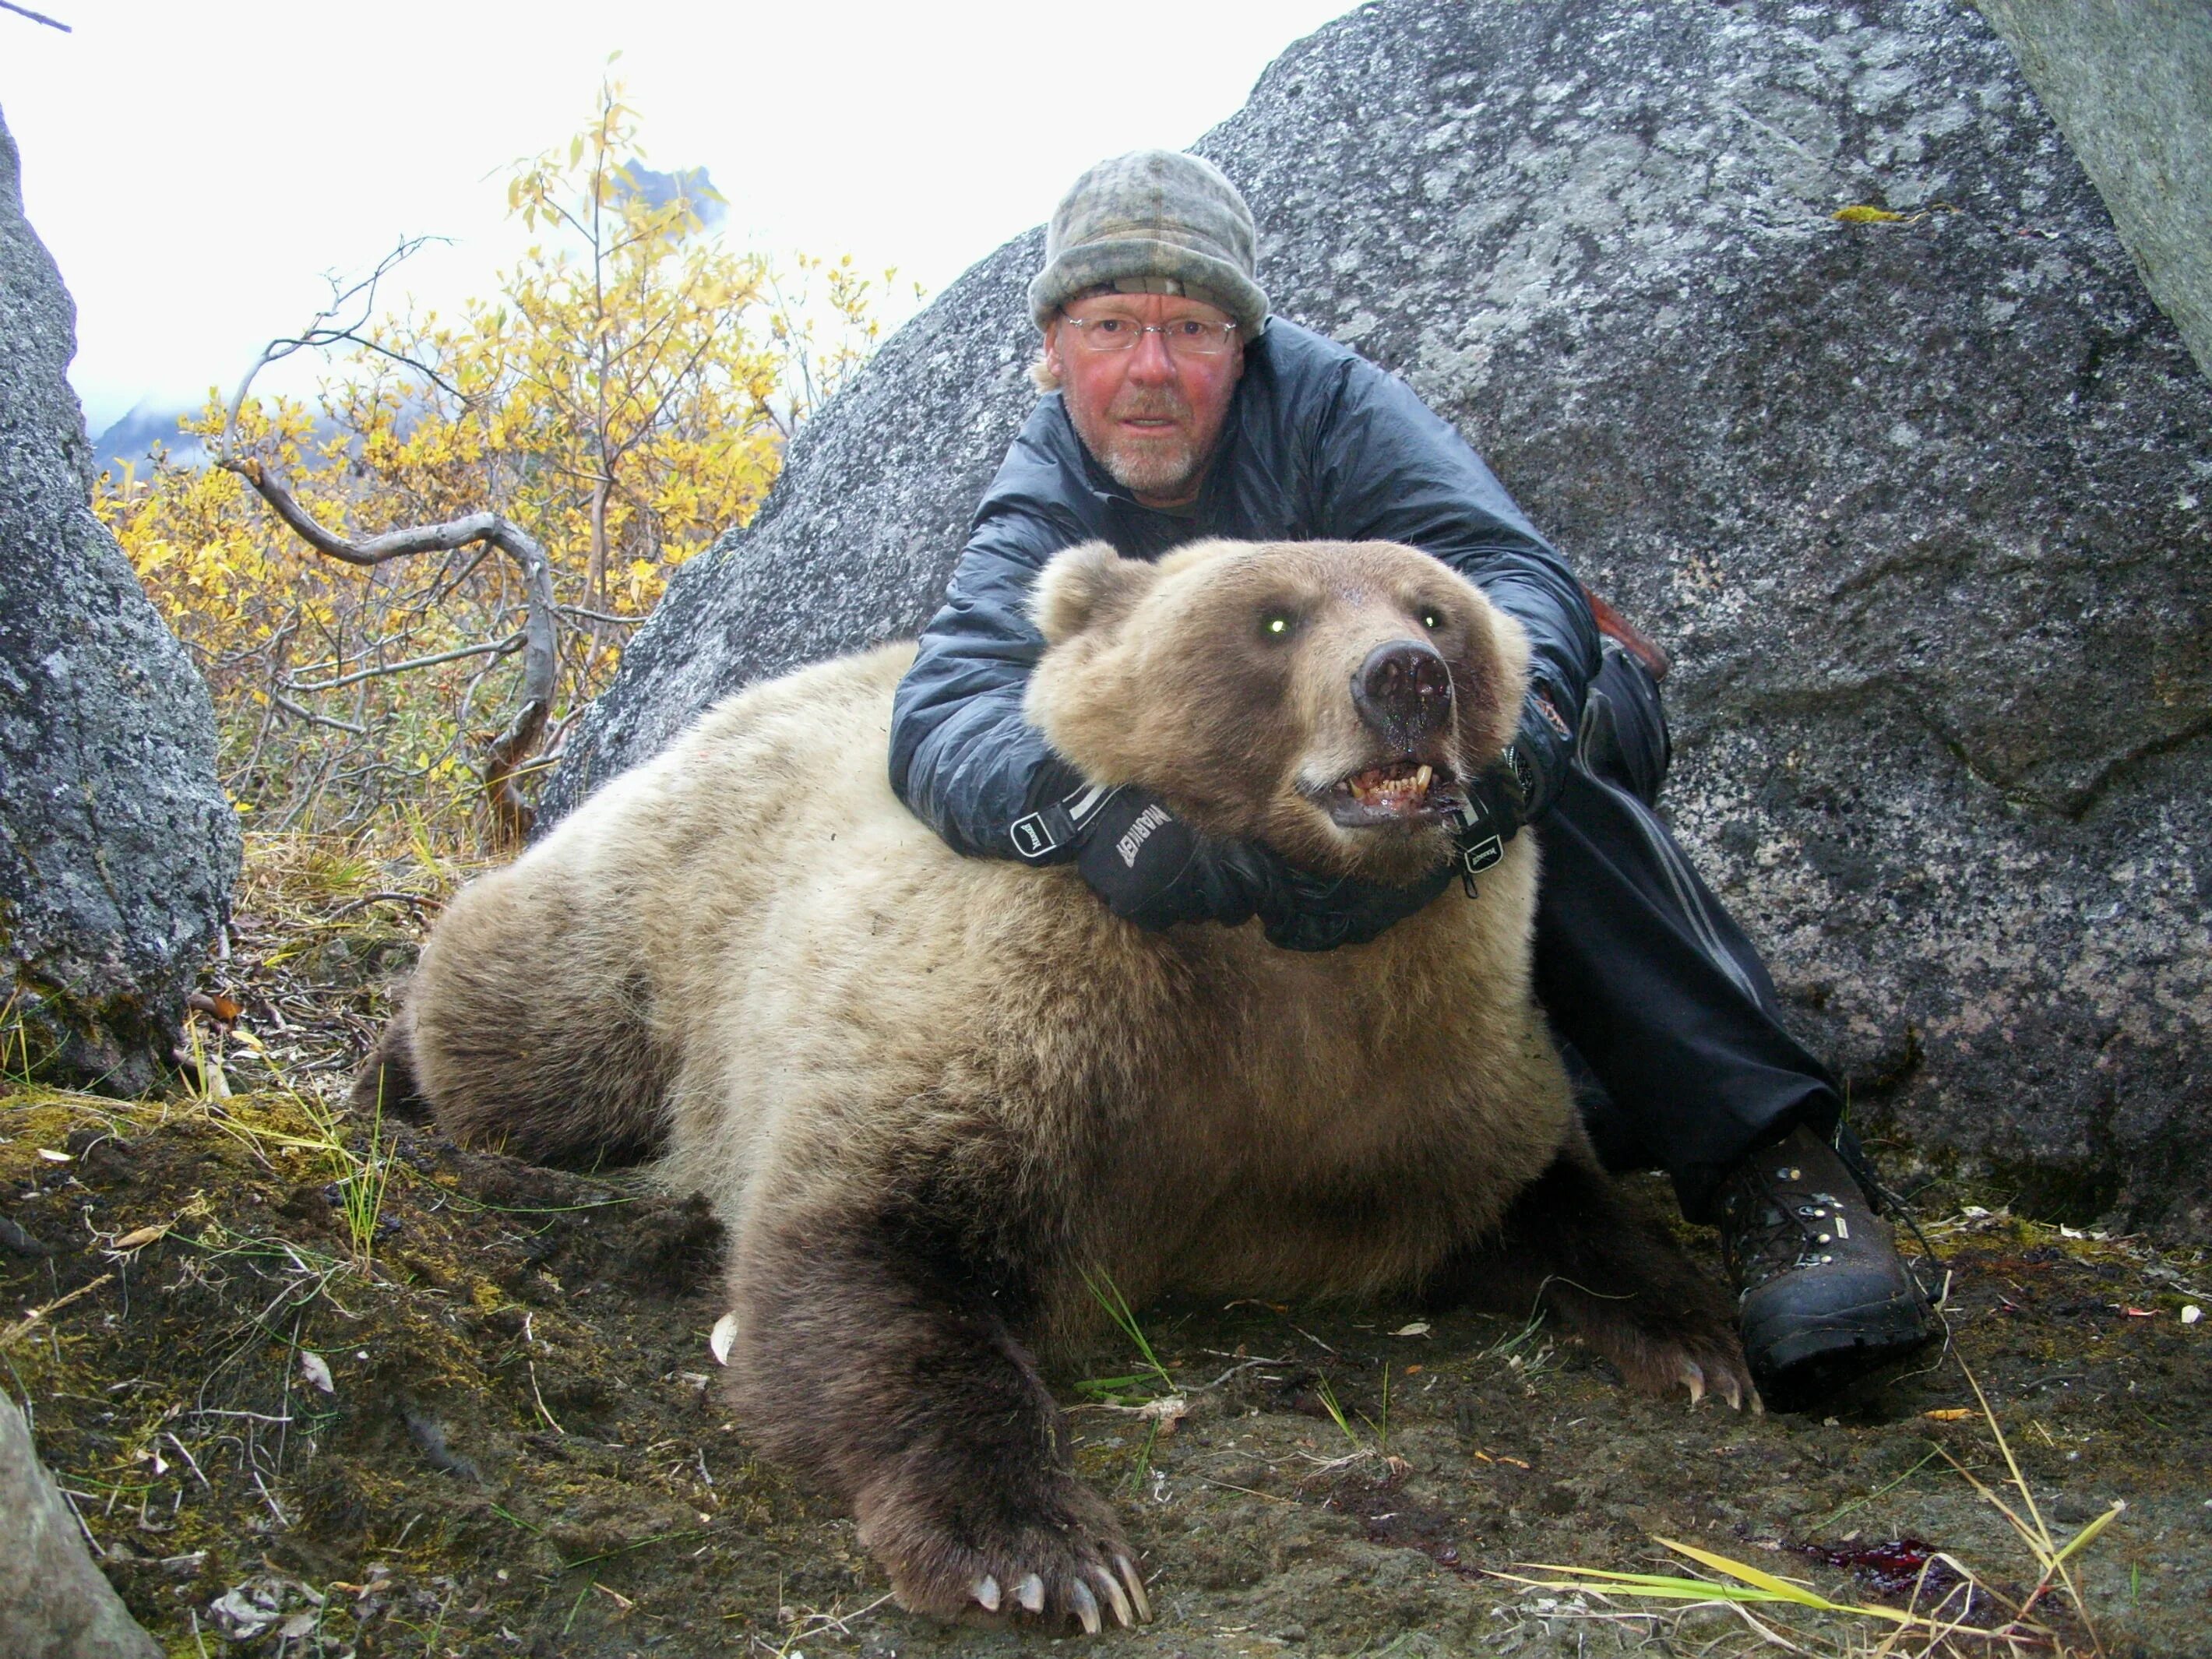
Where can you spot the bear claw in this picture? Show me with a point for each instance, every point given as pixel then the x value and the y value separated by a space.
pixel 1116 1597
pixel 1693 1379
pixel 1086 1606
pixel 987 1592
pixel 1135 1581
pixel 1030 1592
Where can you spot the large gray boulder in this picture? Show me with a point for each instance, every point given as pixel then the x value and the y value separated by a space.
pixel 54 1603
pixel 117 848
pixel 1917 504
pixel 2130 82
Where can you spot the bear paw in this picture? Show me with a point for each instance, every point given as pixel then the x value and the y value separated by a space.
pixel 1698 1360
pixel 1058 1558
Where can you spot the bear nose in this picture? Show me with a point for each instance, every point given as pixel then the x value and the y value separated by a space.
pixel 1403 692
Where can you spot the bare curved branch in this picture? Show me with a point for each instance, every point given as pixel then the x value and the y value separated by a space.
pixel 506 756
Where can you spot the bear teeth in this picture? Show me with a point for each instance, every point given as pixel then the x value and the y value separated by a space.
pixel 1383 786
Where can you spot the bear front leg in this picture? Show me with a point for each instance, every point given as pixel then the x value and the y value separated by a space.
pixel 870 1358
pixel 1615 1278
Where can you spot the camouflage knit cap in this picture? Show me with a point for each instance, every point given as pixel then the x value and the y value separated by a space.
pixel 1153 221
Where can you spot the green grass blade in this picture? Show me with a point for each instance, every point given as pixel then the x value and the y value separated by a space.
pixel 1659 1588
pixel 1781 1589
pixel 2089 1534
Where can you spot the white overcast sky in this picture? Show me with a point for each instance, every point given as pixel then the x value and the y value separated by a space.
pixel 195 168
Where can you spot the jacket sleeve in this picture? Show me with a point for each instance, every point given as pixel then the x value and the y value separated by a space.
pixel 963 758
pixel 1389 469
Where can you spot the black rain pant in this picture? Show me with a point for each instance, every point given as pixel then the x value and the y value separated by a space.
pixel 1675 1037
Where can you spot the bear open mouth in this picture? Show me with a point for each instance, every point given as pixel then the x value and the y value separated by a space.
pixel 1396 792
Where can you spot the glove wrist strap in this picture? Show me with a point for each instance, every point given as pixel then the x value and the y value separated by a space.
pixel 1037 836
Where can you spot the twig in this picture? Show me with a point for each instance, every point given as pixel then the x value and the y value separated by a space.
pixel 70 1499
pixel 23 1327
pixel 505 647
pixel 258 1417
pixel 171 1436
pixel 503 758
pixel 283 1520
pixel 554 1421
pixel 601 617
pixel 319 334
pixel 1250 1492
pixel 309 715
pixel 35 16
pixel 1247 1365
pixel 367 899
pixel 814 1624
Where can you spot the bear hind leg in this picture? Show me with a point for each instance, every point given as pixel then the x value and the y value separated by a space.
pixel 387 1085
pixel 1575 1244
pixel 548 1058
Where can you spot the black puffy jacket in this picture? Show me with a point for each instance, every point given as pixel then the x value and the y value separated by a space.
pixel 1319 445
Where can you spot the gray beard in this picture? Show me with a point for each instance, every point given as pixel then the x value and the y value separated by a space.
pixel 1149 472
pixel 1163 476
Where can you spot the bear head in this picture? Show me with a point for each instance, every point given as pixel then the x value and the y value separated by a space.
pixel 1328 698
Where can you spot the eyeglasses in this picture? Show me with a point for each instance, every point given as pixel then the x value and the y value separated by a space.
pixel 1188 337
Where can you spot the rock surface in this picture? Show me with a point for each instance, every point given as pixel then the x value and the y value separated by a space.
pixel 53 1602
pixel 117 848
pixel 2129 81
pixel 1917 503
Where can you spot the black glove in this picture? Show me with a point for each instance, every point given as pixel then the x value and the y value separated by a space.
pixel 1305 912
pixel 1153 869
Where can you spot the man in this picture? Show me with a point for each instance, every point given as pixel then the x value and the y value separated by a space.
pixel 1177 408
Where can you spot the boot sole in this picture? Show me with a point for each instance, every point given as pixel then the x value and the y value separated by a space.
pixel 1851 1346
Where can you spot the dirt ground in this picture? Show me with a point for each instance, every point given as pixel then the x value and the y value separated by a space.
pixel 319 1386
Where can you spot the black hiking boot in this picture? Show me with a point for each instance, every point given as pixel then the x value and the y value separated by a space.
pixel 1823 1296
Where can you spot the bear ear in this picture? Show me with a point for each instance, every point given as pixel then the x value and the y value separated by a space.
pixel 1088 587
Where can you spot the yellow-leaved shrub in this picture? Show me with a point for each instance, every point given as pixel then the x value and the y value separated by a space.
pixel 624 398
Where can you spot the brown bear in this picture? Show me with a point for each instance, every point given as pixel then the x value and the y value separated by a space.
pixel 929 1095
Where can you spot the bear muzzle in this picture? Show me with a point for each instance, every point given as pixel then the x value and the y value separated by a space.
pixel 1403 695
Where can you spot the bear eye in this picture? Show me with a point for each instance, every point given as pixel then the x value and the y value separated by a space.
pixel 1431 618
pixel 1276 624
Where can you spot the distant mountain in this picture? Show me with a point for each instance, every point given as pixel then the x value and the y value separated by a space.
pixel 661 188
pixel 130 440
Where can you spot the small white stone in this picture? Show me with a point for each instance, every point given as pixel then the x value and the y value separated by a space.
pixel 2192 1314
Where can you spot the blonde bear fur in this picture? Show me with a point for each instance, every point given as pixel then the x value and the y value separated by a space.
pixel 929 1094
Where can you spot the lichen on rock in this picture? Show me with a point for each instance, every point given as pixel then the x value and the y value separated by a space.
pixel 117 847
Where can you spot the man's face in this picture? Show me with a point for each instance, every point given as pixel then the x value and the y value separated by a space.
pixel 1152 419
